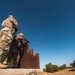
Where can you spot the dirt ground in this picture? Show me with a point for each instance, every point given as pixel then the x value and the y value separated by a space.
pixel 65 72
pixel 61 72
pixel 22 72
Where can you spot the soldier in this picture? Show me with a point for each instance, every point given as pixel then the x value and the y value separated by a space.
pixel 9 28
pixel 16 51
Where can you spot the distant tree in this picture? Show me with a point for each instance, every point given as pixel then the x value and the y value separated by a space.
pixel 55 68
pixel 72 64
pixel 51 68
pixel 62 67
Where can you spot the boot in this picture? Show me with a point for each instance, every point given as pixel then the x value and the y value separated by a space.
pixel 3 65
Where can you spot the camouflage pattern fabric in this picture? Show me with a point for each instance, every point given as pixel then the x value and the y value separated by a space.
pixel 16 51
pixel 11 23
pixel 9 27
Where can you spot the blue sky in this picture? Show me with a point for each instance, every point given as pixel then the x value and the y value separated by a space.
pixel 48 24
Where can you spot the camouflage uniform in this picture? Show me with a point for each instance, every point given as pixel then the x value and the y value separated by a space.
pixel 16 50
pixel 9 27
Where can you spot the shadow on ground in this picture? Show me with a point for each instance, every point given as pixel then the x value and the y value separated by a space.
pixel 72 70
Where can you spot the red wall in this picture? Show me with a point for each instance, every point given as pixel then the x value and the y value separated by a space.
pixel 29 59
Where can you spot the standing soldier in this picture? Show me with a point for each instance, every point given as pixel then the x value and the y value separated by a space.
pixel 16 51
pixel 9 27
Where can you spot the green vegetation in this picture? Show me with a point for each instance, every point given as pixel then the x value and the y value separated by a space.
pixel 72 64
pixel 62 67
pixel 53 68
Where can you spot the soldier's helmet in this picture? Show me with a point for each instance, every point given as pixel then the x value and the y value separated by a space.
pixel 13 21
pixel 20 36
